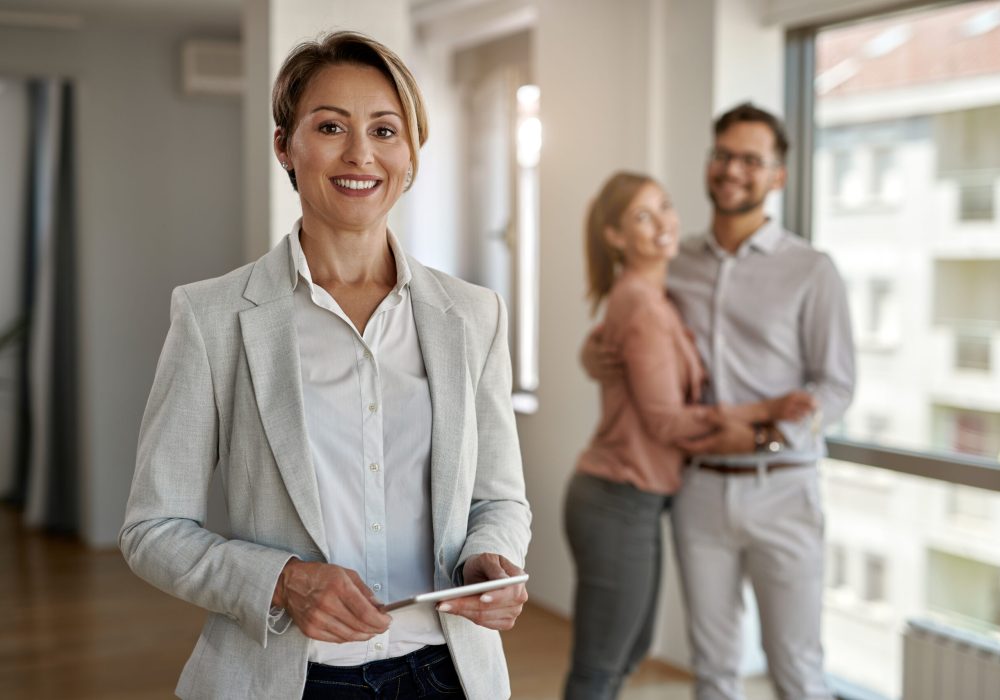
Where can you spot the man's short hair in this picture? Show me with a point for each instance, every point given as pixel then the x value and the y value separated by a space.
pixel 748 112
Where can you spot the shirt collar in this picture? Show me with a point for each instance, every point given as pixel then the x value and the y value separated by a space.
pixel 765 239
pixel 301 265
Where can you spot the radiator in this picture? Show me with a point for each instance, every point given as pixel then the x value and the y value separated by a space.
pixel 944 663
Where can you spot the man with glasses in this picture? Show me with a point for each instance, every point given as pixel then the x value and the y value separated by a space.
pixel 769 315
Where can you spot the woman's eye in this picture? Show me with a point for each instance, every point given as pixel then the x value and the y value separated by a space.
pixel 642 216
pixel 329 128
pixel 385 132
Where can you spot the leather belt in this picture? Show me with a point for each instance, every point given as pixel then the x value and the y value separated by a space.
pixel 748 470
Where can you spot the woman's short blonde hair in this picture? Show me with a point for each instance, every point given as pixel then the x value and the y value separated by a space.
pixel 310 57
pixel 606 210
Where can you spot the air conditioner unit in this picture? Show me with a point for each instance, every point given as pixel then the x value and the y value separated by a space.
pixel 212 67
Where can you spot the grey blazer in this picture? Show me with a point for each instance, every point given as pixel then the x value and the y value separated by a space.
pixel 227 396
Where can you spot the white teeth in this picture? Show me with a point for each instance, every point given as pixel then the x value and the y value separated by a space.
pixel 355 184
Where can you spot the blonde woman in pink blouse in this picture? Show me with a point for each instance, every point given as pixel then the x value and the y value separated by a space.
pixel 625 477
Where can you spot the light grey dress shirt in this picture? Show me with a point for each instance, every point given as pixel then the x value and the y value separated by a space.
pixel 768 319
pixel 368 420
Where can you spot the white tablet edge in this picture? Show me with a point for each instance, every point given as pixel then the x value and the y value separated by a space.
pixel 456 592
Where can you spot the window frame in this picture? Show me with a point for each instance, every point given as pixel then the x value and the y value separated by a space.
pixel 800 64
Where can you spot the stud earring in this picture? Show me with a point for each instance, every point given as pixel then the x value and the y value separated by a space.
pixel 284 165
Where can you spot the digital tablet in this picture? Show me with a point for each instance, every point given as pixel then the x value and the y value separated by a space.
pixel 457 592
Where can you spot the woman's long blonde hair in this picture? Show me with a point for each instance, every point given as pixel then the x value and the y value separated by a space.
pixel 606 210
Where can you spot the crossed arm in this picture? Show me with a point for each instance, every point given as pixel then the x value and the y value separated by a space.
pixel 725 428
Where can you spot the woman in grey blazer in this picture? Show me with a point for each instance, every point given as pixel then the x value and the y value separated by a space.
pixel 357 407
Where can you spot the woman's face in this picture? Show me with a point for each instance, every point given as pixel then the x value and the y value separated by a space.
pixel 349 149
pixel 649 228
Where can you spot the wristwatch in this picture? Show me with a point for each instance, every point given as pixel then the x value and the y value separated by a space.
pixel 764 439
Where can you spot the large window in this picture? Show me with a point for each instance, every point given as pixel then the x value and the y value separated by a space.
pixel 502 143
pixel 898 179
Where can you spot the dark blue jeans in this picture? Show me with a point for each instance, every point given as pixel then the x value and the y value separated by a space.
pixel 424 673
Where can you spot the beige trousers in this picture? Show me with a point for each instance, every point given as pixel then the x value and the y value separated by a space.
pixel 767 527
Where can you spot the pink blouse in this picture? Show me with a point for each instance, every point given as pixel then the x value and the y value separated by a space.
pixel 643 410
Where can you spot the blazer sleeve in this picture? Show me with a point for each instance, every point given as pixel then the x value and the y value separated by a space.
pixel 499 518
pixel 162 538
pixel 653 376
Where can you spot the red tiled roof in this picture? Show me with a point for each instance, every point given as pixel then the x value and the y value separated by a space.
pixel 938 48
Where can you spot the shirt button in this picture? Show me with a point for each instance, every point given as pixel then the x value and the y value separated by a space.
pixel 368 354
pixel 376 587
pixel 379 646
pixel 376 527
pixel 372 407
pixel 373 466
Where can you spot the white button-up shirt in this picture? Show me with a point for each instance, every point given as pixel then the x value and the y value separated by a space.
pixel 368 418
pixel 770 318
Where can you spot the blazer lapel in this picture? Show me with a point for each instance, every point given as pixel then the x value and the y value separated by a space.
pixel 271 344
pixel 442 343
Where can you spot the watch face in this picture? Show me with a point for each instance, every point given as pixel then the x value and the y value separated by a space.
pixel 774 446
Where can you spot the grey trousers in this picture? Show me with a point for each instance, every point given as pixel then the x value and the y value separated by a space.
pixel 768 528
pixel 614 533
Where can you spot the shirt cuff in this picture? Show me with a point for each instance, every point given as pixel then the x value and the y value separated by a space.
pixel 799 435
pixel 278 621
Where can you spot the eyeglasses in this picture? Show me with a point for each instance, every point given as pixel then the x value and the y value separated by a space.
pixel 750 161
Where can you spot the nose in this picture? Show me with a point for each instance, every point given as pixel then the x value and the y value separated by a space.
pixel 358 151
pixel 662 221
pixel 733 166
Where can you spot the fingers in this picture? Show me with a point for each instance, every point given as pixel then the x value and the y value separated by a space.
pixel 496 610
pixel 360 612
pixel 331 603
pixel 487 567
pixel 510 568
pixel 798 405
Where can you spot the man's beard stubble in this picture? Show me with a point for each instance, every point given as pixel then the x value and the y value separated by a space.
pixel 745 207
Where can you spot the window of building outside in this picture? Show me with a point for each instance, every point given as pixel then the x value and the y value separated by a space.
pixel 874 581
pixel 902 189
pixel 836 567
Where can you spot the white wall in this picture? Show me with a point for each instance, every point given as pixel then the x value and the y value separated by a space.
pixel 158 177
pixel 271 29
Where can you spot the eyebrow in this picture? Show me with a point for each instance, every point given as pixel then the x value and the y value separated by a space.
pixel 340 110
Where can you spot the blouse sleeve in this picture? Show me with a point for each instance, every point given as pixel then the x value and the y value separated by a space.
pixel 654 376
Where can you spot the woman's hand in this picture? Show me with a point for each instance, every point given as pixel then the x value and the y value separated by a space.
pixel 601 360
pixel 495 610
pixel 793 406
pixel 328 602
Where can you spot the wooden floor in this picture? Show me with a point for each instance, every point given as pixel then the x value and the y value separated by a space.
pixel 76 623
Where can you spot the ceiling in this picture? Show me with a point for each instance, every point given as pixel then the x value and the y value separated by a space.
pixel 77 11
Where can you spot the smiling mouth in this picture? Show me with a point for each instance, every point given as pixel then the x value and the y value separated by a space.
pixel 351 184
pixel 729 183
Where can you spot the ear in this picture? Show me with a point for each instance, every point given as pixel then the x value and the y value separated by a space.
pixel 280 146
pixel 780 177
pixel 614 238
